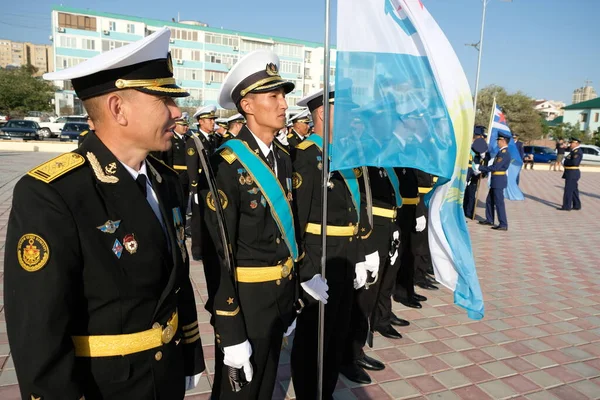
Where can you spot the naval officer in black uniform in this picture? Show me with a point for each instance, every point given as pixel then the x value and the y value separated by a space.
pixel 175 157
pixel 235 123
pixel 348 257
pixel 571 176
pixel 300 128
pixel 97 294
pixel 253 301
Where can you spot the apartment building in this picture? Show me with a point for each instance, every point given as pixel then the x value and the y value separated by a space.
pixel 16 54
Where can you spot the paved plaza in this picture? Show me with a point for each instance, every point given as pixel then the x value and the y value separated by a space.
pixel 539 340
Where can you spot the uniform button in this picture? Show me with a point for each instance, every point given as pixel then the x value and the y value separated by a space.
pixel 349 209
pixel 350 239
pixel 158 356
pixel 155 325
pixel 217 335
pixel 277 240
pixel 278 282
pixel 290 277
pixel 219 341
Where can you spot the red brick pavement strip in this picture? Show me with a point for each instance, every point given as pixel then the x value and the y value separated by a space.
pixel 540 338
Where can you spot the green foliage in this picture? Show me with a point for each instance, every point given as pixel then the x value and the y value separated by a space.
pixel 565 131
pixel 518 108
pixel 20 92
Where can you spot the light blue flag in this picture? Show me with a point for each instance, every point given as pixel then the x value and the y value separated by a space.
pixel 402 99
pixel 512 191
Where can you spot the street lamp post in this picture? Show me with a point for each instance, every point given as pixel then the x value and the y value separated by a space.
pixel 479 47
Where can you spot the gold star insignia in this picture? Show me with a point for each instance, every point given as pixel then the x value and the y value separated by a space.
pixel 230 301
pixel 35 398
pixel 363 229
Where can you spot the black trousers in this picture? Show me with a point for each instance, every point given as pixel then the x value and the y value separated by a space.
pixel 196 230
pixel 422 255
pixel 405 279
pixel 341 260
pixel 373 306
pixel 470 202
pixel 571 195
pixel 268 312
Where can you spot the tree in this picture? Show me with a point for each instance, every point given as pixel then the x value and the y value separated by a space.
pixel 517 107
pixel 20 92
pixel 565 131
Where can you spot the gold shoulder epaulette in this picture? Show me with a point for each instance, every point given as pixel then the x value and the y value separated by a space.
pixel 305 144
pixel 281 147
pixel 162 162
pixel 58 166
pixel 228 156
pixel 84 133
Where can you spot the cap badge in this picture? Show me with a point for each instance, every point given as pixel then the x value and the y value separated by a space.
pixel 111 168
pixel 272 69
pixel 170 63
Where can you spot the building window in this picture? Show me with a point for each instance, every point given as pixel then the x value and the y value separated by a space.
pixel 220 58
pixel 290 67
pixel 176 53
pixel 182 34
pixel 76 22
pixel 68 42
pixel 251 46
pixel 583 117
pixel 112 26
pixel 596 117
pixel 288 50
pixel 112 44
pixel 68 62
pixel 223 40
pixel 130 28
pixel 211 94
pixel 88 44
pixel 196 55
pixel 214 76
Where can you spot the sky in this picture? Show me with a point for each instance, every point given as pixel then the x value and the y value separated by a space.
pixel 543 48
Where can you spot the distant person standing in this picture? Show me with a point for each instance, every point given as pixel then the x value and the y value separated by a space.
pixel 571 176
pixel 519 145
pixel 561 147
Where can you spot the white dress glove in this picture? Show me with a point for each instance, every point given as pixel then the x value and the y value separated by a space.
pixel 476 170
pixel 290 329
pixel 395 236
pixel 192 381
pixel 317 288
pixel 421 224
pixel 372 263
pixel 361 275
pixel 196 198
pixel 238 356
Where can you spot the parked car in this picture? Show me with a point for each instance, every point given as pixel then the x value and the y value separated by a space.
pixel 71 131
pixel 21 129
pixel 541 154
pixel 591 154
pixel 52 129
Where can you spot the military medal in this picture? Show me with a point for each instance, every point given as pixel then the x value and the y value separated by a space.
pixel 289 196
pixel 319 164
pixel 131 245
pixel 242 180
pixel 117 248
pixel 253 204
pixel 249 180
pixel 263 201
pixel 109 226
pixel 254 190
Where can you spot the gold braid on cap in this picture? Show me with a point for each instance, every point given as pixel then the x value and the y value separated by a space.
pixel 133 83
pixel 258 84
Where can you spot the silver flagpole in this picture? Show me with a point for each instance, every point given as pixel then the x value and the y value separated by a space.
pixel 326 117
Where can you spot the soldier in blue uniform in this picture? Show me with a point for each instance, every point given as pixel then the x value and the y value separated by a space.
pixel 495 196
pixel 521 150
pixel 571 176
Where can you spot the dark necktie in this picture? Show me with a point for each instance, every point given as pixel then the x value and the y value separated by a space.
pixel 141 181
pixel 271 160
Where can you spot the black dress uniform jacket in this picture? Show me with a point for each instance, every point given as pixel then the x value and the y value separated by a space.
pixel 343 252
pixel 176 158
pixel 83 283
pixel 261 311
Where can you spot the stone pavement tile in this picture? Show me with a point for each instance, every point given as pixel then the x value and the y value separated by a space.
pixel 426 384
pixel 390 355
pixel 578 353
pixel 458 344
pixel 452 379
pixel 515 322
pixel 498 325
pixel 558 356
pixel 534 332
pixel 516 334
pixel 477 356
pixel 520 384
pixel 462 330
pixel 583 369
pixel 539 360
pixel 480 327
pixel 531 320
pixel 554 342
pixel 572 339
pixel 475 373
pixel 455 360
pixel 543 379
pixel 433 364
pixel 497 337
pixel 588 336
pixel 594 363
pixel 566 392
pixel 588 388
pixel 385 375
pixel 498 352
pixel 518 348
pixel 537 345
pixel 562 373
pixel 415 351
pixel 442 333
pixel 370 392
pixel 446 395
pixel 519 365
pixel 543 395
pixel 472 393
pixel 400 389
pixel 444 321
pixel 408 368
pixel 498 369
pixel 437 347
pixel 497 389
pixel 549 318
pixel 478 340
pixel 421 336
pixel 8 377
pixel 344 394
pixel 426 323
pixel 591 349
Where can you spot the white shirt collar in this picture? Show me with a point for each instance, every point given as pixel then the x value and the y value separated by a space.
pixel 135 173
pixel 299 135
pixel 179 136
pixel 263 147
pixel 204 133
pixel 502 148
pixel 576 147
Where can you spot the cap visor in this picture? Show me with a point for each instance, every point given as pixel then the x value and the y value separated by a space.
pixel 166 90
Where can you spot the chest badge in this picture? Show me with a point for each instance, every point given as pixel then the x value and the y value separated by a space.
pixel 117 248
pixel 131 245
pixel 109 226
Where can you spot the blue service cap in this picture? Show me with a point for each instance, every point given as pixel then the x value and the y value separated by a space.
pixel 574 139
pixel 479 130
pixel 504 135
